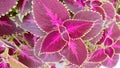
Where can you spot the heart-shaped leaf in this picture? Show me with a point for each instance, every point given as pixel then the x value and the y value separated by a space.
pixel 47 15
pixel 75 52
pixel 53 42
pixel 77 28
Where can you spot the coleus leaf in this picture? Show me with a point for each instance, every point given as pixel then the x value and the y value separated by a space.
pixel 7 26
pixel 109 51
pixel 2 48
pixel 96 3
pixel 24 6
pixel 28 24
pixel 77 28
pixel 26 56
pixel 110 63
pixel 30 39
pixel 95 30
pixel 88 16
pixel 6 5
pixel 108 41
pixel 101 11
pixel 109 9
pixel 53 42
pixel 4 65
pixel 75 5
pixel 90 65
pixel 75 52
pixel 53 57
pixel 116 46
pixel 98 56
pixel 47 15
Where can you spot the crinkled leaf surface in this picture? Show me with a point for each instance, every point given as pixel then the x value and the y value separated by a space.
pixel 75 52
pixel 47 15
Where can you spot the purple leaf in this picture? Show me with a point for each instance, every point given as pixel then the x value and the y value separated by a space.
pixel 53 57
pixel 47 15
pixel 88 16
pixel 7 26
pixel 110 63
pixel 101 11
pixel 75 5
pixel 77 28
pixel 24 6
pixel 109 51
pixel 98 56
pixel 53 42
pixel 116 46
pixel 109 9
pixel 95 30
pixel 108 41
pixel 30 39
pixel 29 25
pixel 4 65
pixel 75 52
pixel 64 33
pixel 96 3
pixel 27 57
pixel 6 5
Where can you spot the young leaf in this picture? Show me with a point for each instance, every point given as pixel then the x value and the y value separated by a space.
pixel 77 28
pixel 4 65
pixel 109 51
pixel 47 15
pixel 75 52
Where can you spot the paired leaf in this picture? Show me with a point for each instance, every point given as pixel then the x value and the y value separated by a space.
pixel 77 28
pixel 47 15
pixel 75 52
pixel 53 42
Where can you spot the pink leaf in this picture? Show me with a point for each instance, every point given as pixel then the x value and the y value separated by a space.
pixel 108 41
pixel 4 65
pixel 109 9
pixel 116 46
pixel 95 30
pixel 75 52
pixel 53 42
pixel 24 6
pixel 110 63
pixel 77 28
pixel 96 3
pixel 7 26
pixel 109 51
pixel 53 57
pixel 6 5
pixel 26 56
pixel 88 16
pixel 47 15
pixel 98 56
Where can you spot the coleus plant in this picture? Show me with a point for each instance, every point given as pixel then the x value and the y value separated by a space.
pixel 59 33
